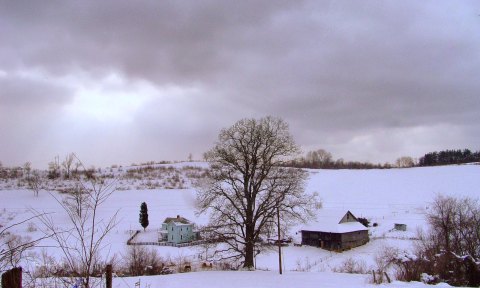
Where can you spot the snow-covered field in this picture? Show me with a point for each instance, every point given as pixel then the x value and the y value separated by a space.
pixel 264 279
pixel 382 196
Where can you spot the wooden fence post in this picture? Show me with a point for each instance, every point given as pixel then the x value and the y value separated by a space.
pixel 109 276
pixel 374 279
pixel 12 278
pixel 388 278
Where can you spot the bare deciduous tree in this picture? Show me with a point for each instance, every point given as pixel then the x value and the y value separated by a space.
pixel 450 249
pixel 455 225
pixel 67 165
pixel 247 185
pixel 27 167
pixel 34 183
pixel 142 261
pixel 54 168
pixel 81 244
pixel 13 247
pixel 319 158
pixel 405 162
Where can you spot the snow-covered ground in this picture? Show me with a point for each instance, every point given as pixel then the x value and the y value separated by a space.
pixel 384 197
pixel 262 279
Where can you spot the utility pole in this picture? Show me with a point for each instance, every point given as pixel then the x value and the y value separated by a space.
pixel 279 241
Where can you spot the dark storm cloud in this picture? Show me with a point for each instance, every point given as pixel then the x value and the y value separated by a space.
pixel 347 75
pixel 31 93
pixel 166 41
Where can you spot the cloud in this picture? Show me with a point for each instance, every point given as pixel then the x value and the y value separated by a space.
pixel 162 78
pixel 29 107
pixel 18 91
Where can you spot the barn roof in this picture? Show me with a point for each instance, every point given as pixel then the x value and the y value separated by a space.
pixel 328 220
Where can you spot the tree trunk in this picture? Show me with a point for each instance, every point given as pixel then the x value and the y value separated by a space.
pixel 249 253
pixel 249 248
pixel 279 242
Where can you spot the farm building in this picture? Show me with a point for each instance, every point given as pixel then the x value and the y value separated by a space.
pixel 335 231
pixel 177 230
pixel 400 227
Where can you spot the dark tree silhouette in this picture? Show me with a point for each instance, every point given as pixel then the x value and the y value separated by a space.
pixel 448 157
pixel 143 216
pixel 247 185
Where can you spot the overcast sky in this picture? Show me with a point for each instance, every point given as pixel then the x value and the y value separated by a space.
pixel 118 82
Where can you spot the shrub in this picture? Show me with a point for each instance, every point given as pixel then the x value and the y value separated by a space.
pixel 352 266
pixel 142 261
pixel 31 227
pixel 364 221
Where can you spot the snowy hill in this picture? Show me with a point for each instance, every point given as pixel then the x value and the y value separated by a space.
pixel 384 197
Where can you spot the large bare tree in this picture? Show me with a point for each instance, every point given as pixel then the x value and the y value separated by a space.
pixel 248 185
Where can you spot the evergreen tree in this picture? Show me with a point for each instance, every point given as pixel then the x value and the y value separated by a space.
pixel 143 216
pixel 448 157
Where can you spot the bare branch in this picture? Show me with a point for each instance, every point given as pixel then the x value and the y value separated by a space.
pixel 247 184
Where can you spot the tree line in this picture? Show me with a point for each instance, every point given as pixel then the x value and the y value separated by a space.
pixel 315 159
pixel 447 157
pixel 322 159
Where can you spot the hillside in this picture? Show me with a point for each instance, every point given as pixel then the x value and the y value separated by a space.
pixel 384 197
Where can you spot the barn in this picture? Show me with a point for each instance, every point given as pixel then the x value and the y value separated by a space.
pixel 335 232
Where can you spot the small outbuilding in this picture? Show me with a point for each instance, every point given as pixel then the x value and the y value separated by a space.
pixel 336 231
pixel 177 230
pixel 400 227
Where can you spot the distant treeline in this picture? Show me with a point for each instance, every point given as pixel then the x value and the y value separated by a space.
pixel 338 164
pixel 321 159
pixel 447 157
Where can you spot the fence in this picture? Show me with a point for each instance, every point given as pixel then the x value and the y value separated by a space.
pixel 13 278
pixel 186 244
pixel 193 243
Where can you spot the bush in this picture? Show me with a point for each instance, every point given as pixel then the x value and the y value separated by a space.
pixel 352 266
pixel 407 266
pixel 142 261
pixel 31 227
pixel 364 221
pixel 450 251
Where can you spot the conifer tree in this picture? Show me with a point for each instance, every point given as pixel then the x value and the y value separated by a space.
pixel 143 215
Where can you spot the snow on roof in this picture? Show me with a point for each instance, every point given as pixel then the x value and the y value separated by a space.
pixel 182 224
pixel 177 220
pixel 337 228
pixel 328 220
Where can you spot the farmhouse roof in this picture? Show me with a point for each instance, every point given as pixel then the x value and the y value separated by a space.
pixel 335 221
pixel 178 219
